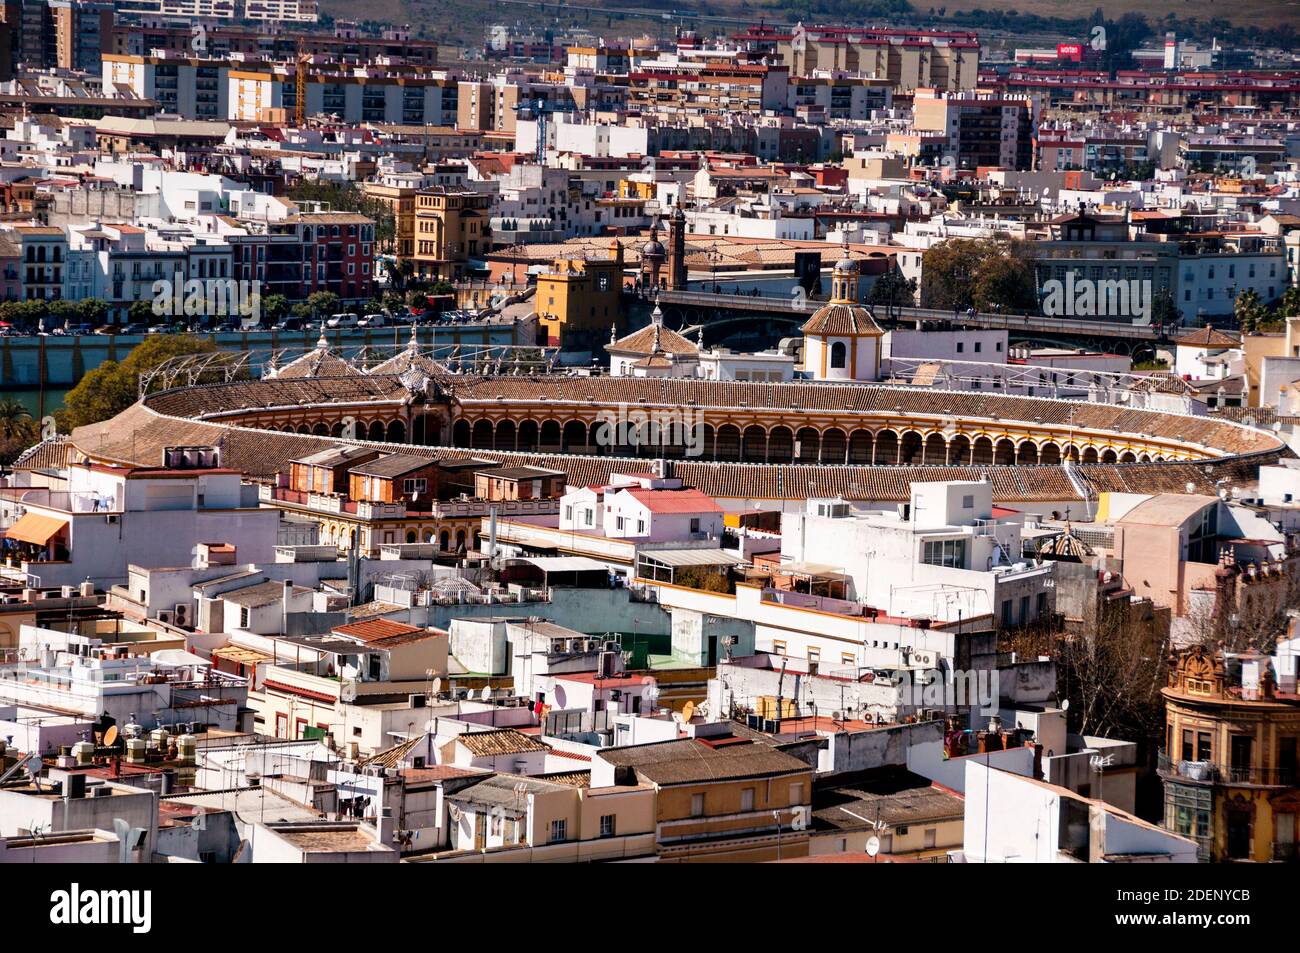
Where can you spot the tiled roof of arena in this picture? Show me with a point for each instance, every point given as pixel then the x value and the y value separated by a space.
pixel 138 436
pixel 211 400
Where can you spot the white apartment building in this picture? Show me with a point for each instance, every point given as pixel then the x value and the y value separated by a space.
pixel 285 11
pixel 72 673
pixel 93 521
pixel 947 553
pixel 750 220
pixel 1015 819
pixel 644 508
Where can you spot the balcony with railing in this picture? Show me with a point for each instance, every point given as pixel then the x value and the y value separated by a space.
pixel 60 500
pixel 1210 772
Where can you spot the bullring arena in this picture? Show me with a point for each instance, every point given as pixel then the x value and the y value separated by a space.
pixel 762 441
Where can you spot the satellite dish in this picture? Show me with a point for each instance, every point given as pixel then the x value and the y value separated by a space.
pixel 873 846
pixel 688 712
pixel 1065 705
pixel 110 736
pixel 486 694
pixel 348 691
pixel 435 686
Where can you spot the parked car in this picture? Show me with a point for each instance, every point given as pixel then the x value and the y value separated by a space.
pixel 289 324
pixel 342 321
pixel 376 321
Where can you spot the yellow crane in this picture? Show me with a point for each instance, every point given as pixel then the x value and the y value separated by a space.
pixel 300 87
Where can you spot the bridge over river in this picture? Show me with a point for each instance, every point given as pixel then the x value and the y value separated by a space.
pixel 718 311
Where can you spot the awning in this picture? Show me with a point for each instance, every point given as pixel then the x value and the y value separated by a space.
pixel 532 542
pixel 677 558
pixel 565 563
pixel 810 569
pixel 241 655
pixel 177 658
pixel 35 528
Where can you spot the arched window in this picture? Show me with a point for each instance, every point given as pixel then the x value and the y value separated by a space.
pixel 839 354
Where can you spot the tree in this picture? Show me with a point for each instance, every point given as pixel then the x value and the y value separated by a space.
pixel 112 387
pixel 18 430
pixel 15 418
pixel 65 311
pixel 892 290
pixel 1111 667
pixel 1249 311
pixel 1164 312
pixel 94 311
pixel 141 312
pixel 22 313
pixel 1289 305
pixel 400 273
pixel 705 578
pixel 1004 279
pixel 984 274
pixel 323 302
pixel 275 307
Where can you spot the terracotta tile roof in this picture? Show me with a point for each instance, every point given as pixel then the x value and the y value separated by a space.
pixel 139 434
pixel 842 320
pixel 691 761
pixel 374 630
pixel 318 363
pixel 48 454
pixel 391 757
pixel 501 741
pixel 642 342
pixel 391 465
pixel 666 502
pixel 1207 337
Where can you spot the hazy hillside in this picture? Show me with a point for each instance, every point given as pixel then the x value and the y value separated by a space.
pixel 465 22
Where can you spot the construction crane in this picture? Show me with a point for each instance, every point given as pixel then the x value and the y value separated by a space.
pixel 300 87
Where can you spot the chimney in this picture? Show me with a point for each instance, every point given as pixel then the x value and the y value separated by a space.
pixel 74 785
pixel 286 597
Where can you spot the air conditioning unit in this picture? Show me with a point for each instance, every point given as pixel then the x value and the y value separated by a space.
pixel 111 519
pixel 181 614
pixel 166 616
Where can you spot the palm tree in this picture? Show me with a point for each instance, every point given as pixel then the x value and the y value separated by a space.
pixel 14 418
